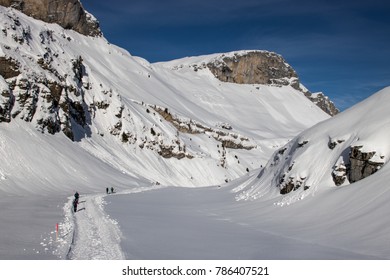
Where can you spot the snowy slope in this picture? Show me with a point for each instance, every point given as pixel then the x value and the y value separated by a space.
pixel 332 153
pixel 112 105
pixel 324 221
pixel 131 121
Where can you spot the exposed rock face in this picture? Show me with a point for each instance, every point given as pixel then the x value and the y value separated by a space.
pixel 323 102
pixel 256 67
pixel 266 68
pixel 8 68
pixel 68 13
pixel 6 103
pixel 361 164
pixel 339 174
pixel 54 106
pixel 354 164
pixel 228 140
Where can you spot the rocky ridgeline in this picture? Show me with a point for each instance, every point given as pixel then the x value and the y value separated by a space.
pixel 55 93
pixel 69 14
pixel 323 102
pixel 266 68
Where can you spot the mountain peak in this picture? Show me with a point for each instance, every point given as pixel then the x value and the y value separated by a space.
pixel 257 67
pixel 69 14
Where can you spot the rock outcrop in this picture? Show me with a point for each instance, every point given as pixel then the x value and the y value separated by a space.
pixel 362 164
pixel 266 68
pixel 70 14
pixel 255 67
pixel 339 173
pixel 323 102
pixel 8 68
pixel 354 163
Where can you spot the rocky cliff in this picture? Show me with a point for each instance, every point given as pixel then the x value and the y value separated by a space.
pixel 69 14
pixel 255 67
pixel 362 164
pixel 266 68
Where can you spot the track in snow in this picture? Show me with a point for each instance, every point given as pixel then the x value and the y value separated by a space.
pixel 90 233
pixel 95 236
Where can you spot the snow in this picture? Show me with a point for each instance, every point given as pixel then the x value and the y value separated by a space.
pixel 182 224
pixel 95 236
pixel 153 214
pixel 266 116
pixel 309 157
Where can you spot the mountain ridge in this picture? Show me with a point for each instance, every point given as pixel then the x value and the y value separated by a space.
pixel 101 97
pixel 253 67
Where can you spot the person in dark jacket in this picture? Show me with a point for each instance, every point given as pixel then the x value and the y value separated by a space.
pixel 75 202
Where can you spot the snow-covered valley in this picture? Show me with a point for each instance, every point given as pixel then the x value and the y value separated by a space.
pixel 202 168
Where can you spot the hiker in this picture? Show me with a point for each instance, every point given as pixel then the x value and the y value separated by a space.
pixel 107 191
pixel 75 202
pixel 112 189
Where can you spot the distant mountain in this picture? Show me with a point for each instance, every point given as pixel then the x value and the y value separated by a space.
pixel 171 123
pixel 256 67
pixel 337 152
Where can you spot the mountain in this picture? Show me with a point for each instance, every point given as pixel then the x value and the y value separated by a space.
pixel 169 123
pixel 255 67
pixel 286 181
pixel 335 153
pixel 69 14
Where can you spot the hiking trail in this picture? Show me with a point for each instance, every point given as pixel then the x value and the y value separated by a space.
pixel 90 233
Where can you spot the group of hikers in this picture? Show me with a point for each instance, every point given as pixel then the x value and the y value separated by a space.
pixel 77 195
pixel 108 190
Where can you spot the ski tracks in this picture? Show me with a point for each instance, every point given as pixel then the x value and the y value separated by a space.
pixel 94 235
pixel 90 233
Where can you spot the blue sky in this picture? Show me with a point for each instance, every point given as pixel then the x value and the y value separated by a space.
pixel 341 48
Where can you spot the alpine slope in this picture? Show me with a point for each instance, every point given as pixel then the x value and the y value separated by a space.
pixel 203 169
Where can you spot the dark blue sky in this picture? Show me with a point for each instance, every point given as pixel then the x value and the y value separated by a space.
pixel 341 48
